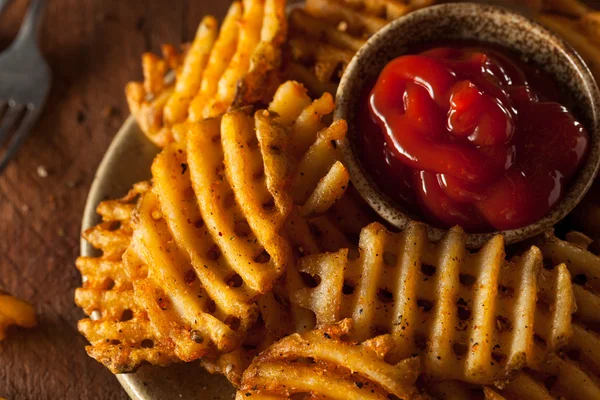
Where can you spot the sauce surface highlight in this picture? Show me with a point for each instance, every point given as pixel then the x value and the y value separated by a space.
pixel 469 136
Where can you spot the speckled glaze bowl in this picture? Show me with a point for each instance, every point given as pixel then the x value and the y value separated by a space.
pixel 488 24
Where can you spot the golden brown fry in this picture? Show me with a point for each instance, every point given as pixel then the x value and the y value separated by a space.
pixel 571 8
pixel 310 145
pixel 15 312
pixel 572 373
pixel 340 369
pixel 263 76
pixel 220 57
pixel 238 67
pixel 571 31
pixel 232 365
pixel 118 329
pixel 315 163
pixel 327 192
pixel 591 24
pixel 178 305
pixel 208 237
pixel 304 24
pixel 472 316
pixel 325 34
pixel 189 80
pixel 336 12
pixel 257 168
pixel 258 263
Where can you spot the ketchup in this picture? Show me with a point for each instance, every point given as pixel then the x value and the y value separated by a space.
pixel 469 136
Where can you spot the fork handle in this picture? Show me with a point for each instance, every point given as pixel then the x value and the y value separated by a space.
pixel 3 4
pixel 32 21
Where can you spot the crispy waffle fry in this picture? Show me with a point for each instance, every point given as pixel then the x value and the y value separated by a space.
pixel 573 32
pixel 147 99
pixel 232 365
pixel 591 24
pixel 118 329
pixel 14 312
pixel 325 34
pixel 572 373
pixel 584 267
pixel 472 316
pixel 572 8
pixel 189 80
pixel 207 237
pixel 237 66
pixel 582 350
pixel 321 365
pixel 317 176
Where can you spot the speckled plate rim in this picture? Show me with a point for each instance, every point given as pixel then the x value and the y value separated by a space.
pixel 386 207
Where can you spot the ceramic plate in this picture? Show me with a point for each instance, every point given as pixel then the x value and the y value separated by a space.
pixel 128 161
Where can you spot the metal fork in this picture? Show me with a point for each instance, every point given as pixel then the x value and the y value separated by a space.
pixel 24 83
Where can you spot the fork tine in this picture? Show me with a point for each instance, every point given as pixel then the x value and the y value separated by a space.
pixel 10 117
pixel 21 133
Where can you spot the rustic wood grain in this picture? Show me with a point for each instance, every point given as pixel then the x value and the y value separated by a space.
pixel 93 47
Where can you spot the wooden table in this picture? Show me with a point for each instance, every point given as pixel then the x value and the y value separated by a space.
pixel 94 48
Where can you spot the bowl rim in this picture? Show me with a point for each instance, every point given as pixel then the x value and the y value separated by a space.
pixel 387 208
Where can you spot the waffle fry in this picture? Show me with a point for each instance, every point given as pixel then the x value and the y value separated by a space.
pixel 319 363
pixel 232 365
pixel 118 329
pixel 591 23
pixel 236 66
pixel 207 239
pixel 15 312
pixel 571 8
pixel 325 34
pixel 472 316
pixel 317 176
pixel 573 372
pixel 574 32
pixel 147 99
pixel 582 351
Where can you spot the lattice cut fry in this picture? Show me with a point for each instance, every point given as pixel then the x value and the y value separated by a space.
pixel 591 23
pixel 473 317
pixel 572 31
pixel 328 191
pixel 584 267
pixel 573 373
pixel 236 66
pixel 15 312
pixel 189 80
pixel 118 329
pixel 179 306
pixel 325 34
pixel 572 8
pixel 147 99
pixel 321 365
pixel 233 364
pixel 258 260
pixel 316 178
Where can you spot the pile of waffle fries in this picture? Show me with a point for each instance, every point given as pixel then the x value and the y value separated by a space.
pixel 250 253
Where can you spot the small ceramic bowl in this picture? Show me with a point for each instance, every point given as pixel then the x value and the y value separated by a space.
pixel 487 24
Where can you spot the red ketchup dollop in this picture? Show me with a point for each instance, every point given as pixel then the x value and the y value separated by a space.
pixel 469 136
